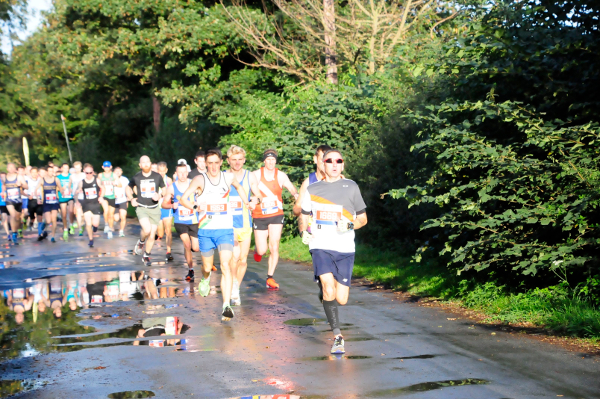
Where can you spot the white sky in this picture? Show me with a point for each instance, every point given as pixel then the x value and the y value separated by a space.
pixel 33 20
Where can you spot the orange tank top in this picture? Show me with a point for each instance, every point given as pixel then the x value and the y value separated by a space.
pixel 271 203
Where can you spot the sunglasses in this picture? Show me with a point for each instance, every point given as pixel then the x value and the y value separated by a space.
pixel 89 173
pixel 329 160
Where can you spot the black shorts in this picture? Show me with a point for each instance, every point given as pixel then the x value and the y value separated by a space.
pixel 340 264
pixel 111 202
pixel 263 223
pixel 34 208
pixel 122 205
pixel 50 207
pixel 18 206
pixel 189 229
pixel 3 209
pixel 95 208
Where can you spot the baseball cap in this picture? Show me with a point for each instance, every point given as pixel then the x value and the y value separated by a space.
pixel 182 161
pixel 106 164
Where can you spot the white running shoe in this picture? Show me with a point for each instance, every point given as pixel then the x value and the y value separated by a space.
pixel 106 229
pixel 236 302
pixel 121 233
pixel 138 248
pixel 109 234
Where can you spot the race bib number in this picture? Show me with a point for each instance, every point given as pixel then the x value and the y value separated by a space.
pixel 269 205
pixel 67 192
pixel 97 299
pixel 119 194
pixel 171 326
pixel 13 193
pixel 328 215
pixel 51 198
pixel 217 207
pixel 148 188
pixel 3 196
pixel 108 188
pixel 236 205
pixel 183 213
pixel 156 343
pixel 91 193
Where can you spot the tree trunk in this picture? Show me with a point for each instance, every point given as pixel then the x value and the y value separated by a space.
pixel 330 50
pixel 156 112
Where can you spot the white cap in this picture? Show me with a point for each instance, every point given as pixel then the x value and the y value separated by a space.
pixel 182 161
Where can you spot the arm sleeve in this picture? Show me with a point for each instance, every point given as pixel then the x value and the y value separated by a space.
pixel 358 202
pixel 306 203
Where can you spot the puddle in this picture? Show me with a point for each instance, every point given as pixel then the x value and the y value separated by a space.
pixel 12 387
pixel 414 357
pixel 3 256
pixel 131 394
pixel 304 322
pixel 426 386
pixel 337 357
pixel 9 263
pixel 358 339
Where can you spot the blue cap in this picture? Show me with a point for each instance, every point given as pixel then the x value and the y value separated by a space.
pixel 106 164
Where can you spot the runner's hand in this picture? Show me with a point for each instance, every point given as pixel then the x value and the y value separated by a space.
pixel 134 202
pixel 342 227
pixel 306 237
pixel 155 197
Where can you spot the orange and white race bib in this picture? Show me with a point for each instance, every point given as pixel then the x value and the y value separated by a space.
pixel 328 214
pixel 236 206
pixel 217 207
pixel 269 205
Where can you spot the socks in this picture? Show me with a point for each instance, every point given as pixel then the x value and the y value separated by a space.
pixel 271 276
pixel 331 311
pixel 41 227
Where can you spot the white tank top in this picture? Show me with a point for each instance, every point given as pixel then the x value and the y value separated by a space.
pixel 216 215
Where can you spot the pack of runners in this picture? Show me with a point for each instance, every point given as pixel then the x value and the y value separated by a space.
pixel 210 209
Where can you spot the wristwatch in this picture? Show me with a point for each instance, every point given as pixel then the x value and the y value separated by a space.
pixel 195 207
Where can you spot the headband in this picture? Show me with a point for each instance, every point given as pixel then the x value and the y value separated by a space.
pixel 269 154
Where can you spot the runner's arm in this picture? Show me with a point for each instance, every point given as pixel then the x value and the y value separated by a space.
pixel 197 183
pixel 239 188
pixel 284 181
pixel 167 204
pixel 298 205
pixel 99 183
pixel 360 221
pixel 305 209
pixel 254 186
pixel 24 184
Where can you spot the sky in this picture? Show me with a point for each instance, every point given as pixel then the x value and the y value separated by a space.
pixel 33 21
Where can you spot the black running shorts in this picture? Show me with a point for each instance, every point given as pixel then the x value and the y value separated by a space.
pixel 3 209
pixel 263 223
pixel 95 208
pixel 340 264
pixel 18 207
pixel 111 202
pixel 189 229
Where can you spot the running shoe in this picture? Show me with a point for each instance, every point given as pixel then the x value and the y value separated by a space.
pixel 40 238
pixel 214 268
pixel 91 243
pixel 106 229
pixel 9 237
pixel 169 257
pixel 94 229
pixel 227 313
pixel 80 232
pixel 121 233
pixel 15 240
pixel 20 231
pixel 72 230
pixel 146 259
pixel 257 257
pixel 44 235
pixel 272 284
pixel 138 248
pixel 65 235
pixel 190 276
pixel 204 286
pixel 52 239
pixel 236 301
pixel 75 225
pixel 109 235
pixel 338 346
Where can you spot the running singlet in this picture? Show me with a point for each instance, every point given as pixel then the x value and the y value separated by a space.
pixel 330 202
pixel 65 184
pixel 13 191
pixel 30 185
pixel 75 179
pixel 312 178
pixel 120 196
pixel 183 215
pixel 271 203
pixel 241 214
pixel 146 187
pixel 50 192
pixel 109 189
pixel 216 197
pixel 90 192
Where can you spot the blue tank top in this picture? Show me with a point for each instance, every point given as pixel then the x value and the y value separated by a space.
pixel 13 191
pixel 242 217
pixel 64 182
pixel 50 192
pixel 2 202
pixel 312 178
pixel 183 215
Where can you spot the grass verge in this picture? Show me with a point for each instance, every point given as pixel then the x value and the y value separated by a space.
pixel 553 308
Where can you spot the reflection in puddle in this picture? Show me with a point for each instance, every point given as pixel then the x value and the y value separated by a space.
pixel 304 322
pixel 5 256
pixel 337 357
pixel 414 357
pixel 358 339
pixel 279 397
pixel 7 264
pixel 427 386
pixel 131 394
pixel 11 387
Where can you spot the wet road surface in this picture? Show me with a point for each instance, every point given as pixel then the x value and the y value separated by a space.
pixel 97 323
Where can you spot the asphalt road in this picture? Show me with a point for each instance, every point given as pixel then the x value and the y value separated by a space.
pixel 107 342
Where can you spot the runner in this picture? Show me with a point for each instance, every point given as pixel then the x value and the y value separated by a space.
pixel 11 187
pixel 242 218
pixel 91 191
pixel 200 161
pixel 4 215
pixel 268 218
pixel 154 167
pixel 24 173
pixel 65 199
pixel 186 220
pixel 34 208
pixel 338 209
pixel 216 223
pixel 166 215
pixel 313 177
pixel 76 177
pixel 38 194
pixel 148 187
pixel 50 188
pixel 121 201
pixel 108 182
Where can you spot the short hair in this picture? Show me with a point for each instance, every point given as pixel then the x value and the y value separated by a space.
pixel 214 151
pixel 118 167
pixel 322 148
pixel 20 167
pixel 64 163
pixel 200 153
pixel 330 151
pixel 50 163
pixel 88 165
pixel 76 163
pixel 234 150
pixel 265 152
pixel 34 168
pixel 161 164
pixel 153 163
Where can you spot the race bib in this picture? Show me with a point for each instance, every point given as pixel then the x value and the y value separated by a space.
pixel 91 193
pixel 51 198
pixel 13 193
pixel 108 188
pixel 328 214
pixel 67 192
pixel 171 326
pixel 236 206
pixel 148 188
pixel 269 205
pixel 3 196
pixel 217 207
pixel 156 343
pixel 183 213
pixel 97 299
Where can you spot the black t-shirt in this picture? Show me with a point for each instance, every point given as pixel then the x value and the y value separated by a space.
pixel 146 187
pixel 193 173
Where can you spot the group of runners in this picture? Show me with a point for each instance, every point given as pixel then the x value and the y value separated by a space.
pixel 215 210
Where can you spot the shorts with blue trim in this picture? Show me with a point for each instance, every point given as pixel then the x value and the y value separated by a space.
pixel 211 239
pixel 25 202
pixel 340 264
pixel 166 213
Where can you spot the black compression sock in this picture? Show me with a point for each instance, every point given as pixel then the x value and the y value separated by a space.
pixel 331 311
pixel 271 276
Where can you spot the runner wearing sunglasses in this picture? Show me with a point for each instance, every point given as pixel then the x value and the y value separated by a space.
pixel 338 209
pixel 91 191
pixel 317 175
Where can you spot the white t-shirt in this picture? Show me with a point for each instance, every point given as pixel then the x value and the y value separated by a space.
pixel 120 195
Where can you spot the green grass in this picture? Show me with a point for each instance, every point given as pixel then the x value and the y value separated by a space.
pixel 553 308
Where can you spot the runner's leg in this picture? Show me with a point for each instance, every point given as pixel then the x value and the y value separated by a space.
pixel 111 217
pixel 123 217
pixel 88 224
pixel 274 239
pixel 168 232
pixel 226 277
pixel 54 221
pixel 330 303
pixel 261 241
pixel 15 218
pixel 187 250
